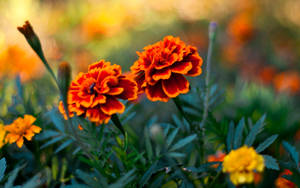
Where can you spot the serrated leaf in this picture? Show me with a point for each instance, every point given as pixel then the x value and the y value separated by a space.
pixel 171 137
pixel 2 167
pixel 54 140
pixel 261 147
pixel 270 162
pixel 229 139
pixel 181 143
pixel 63 146
pixel 238 134
pixel 148 174
pixel 46 134
pixel 292 151
pixel 255 130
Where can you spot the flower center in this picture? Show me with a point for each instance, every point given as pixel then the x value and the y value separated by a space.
pixel 91 88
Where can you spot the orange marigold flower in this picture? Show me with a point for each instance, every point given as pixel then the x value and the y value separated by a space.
pixel 218 157
pixel 287 82
pixel 281 182
pixel 21 127
pixel 160 68
pixel 80 127
pixel 2 135
pixel 241 27
pixel 95 94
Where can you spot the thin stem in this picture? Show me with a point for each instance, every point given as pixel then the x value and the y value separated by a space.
pixel 212 36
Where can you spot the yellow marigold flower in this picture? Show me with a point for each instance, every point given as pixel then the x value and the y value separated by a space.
pixel 21 127
pixel 241 164
pixel 2 135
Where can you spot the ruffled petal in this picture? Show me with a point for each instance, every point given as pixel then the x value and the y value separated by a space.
pixel 28 135
pixel 176 85
pixel 28 119
pixel 112 106
pixel 130 89
pixel 181 67
pixel 96 115
pixel 162 74
pixel 20 142
pixel 115 91
pixel 35 129
pixel 156 93
pixel 100 99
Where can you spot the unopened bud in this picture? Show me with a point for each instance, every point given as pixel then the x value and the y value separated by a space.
pixel 64 78
pixel 31 37
pixel 212 30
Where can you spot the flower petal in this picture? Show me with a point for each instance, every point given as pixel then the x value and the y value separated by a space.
pixel 112 106
pixel 176 85
pixel 162 74
pixel 115 91
pixel 35 129
pixel 156 93
pixel 181 67
pixel 20 142
pixel 130 89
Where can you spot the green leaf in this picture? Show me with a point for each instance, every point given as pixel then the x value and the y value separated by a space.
pixel 63 145
pixel 229 138
pixel 261 147
pixel 238 134
pixel 12 177
pixel 254 131
pixel 148 143
pixel 270 162
pixel 115 119
pixel 181 143
pixel 171 137
pixel 91 180
pixel 54 140
pixel 46 134
pixel 57 120
pixel 176 155
pixel 33 182
pixel 148 174
pixel 202 168
pixel 2 167
pixel 292 151
pixel 123 181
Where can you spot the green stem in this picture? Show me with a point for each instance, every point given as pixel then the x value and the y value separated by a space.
pixel 212 36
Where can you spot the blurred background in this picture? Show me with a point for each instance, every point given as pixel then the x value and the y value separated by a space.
pixel 256 60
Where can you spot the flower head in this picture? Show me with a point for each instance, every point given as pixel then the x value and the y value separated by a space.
pixel 95 94
pixel 2 135
pixel 281 182
pixel 242 163
pixel 218 157
pixel 287 82
pixel 160 69
pixel 21 127
pixel 241 28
